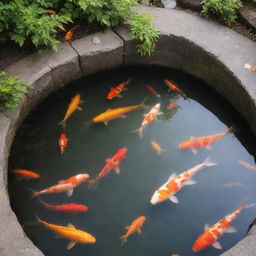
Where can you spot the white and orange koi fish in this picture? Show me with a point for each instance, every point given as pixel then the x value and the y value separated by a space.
pixel 175 183
pixel 149 118
pixel 213 233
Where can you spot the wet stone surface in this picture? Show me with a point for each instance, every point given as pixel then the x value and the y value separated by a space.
pixel 248 15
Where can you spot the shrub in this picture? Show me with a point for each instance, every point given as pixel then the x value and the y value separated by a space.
pixel 11 90
pixel 225 9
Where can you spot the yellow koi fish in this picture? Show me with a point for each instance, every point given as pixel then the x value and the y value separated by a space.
pixel 157 147
pixel 75 101
pixel 70 233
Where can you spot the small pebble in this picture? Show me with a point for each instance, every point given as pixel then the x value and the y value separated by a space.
pixel 169 4
pixel 96 40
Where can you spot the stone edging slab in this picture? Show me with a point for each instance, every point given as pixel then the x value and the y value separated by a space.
pixel 206 50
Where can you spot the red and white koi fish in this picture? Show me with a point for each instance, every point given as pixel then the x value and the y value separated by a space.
pixel 70 33
pixel 175 183
pixel 62 142
pixel 173 104
pixel 66 208
pixel 64 186
pixel 153 91
pixel 149 118
pixel 173 87
pixel 213 233
pixel 195 143
pixel 112 164
pixel 115 92
pixel 134 227
pixel 247 165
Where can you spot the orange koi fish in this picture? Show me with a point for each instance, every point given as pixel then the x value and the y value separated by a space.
pixel 64 186
pixel 173 87
pixel 247 165
pixel 134 227
pixel 115 92
pixel 175 255
pixel 25 174
pixel 175 183
pixel 62 142
pixel 70 33
pixel 112 164
pixel 50 11
pixel 74 105
pixel 195 143
pixel 213 233
pixel 149 118
pixel 70 233
pixel 157 147
pixel 172 105
pixel 229 185
pixel 115 113
pixel 153 91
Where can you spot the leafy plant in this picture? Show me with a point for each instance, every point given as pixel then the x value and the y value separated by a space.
pixel 225 9
pixel 11 90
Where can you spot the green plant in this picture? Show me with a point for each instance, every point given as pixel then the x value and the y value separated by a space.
pixel 11 90
pixel 225 9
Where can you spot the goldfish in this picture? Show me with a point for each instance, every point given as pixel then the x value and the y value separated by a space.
pixel 173 87
pixel 149 118
pixel 50 11
pixel 195 143
pixel 175 254
pixel 70 33
pixel 115 92
pixel 134 227
pixel 64 186
pixel 173 104
pixel 213 233
pixel 112 164
pixel 153 91
pixel 74 105
pixel 115 113
pixel 70 233
pixel 25 174
pixel 175 183
pixel 66 208
pixel 62 142
pixel 156 147
pixel 229 185
pixel 247 165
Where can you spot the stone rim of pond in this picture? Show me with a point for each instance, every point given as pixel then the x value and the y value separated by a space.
pixel 199 47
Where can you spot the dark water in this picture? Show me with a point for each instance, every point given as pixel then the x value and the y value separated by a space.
pixel 119 199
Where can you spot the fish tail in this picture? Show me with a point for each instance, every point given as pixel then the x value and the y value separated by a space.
pixel 87 124
pixel 62 123
pixel 93 184
pixel 38 219
pixel 124 239
pixel 208 162
pixel 245 206
pixel 231 130
pixel 139 131
pixel 142 104
pixel 34 193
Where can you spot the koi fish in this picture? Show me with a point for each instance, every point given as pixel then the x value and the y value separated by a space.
pixel 112 164
pixel 25 174
pixel 195 143
pixel 172 105
pixel 149 118
pixel 50 11
pixel 115 92
pixel 213 233
pixel 175 183
pixel 64 186
pixel 153 91
pixel 173 87
pixel 74 105
pixel 229 185
pixel 62 142
pixel 70 33
pixel 175 254
pixel 134 227
pixel 66 208
pixel 70 233
pixel 247 165
pixel 115 113
pixel 156 147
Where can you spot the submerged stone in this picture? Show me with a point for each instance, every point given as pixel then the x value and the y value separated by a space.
pixel 248 15
pixel 194 5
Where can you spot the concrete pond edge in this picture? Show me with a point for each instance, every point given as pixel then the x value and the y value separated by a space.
pixel 201 48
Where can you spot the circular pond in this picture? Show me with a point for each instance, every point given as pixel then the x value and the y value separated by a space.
pixel 115 201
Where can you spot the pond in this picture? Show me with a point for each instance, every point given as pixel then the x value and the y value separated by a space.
pixel 115 201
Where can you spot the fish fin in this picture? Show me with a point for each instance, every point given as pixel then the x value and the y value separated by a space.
pixel 108 159
pixel 139 231
pixel 70 245
pixel 160 113
pixel 124 240
pixel 208 162
pixel 217 245
pixel 71 226
pixel 117 170
pixel 56 237
pixel 208 147
pixel 192 137
pixel 127 227
pixel 60 181
pixel 194 150
pixel 190 182
pixel 230 230
pixel 82 102
pixel 70 192
pixel 174 175
pixel 119 96
pixel 108 110
pixel 206 227
pixel 145 115
pixel 78 108
pixel 125 89
pixel 123 116
pixel 174 199
pixel 106 123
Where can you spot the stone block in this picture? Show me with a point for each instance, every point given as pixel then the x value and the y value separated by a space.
pixel 248 15
pixel 194 5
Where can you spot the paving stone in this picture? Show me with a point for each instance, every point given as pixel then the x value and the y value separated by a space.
pixel 248 15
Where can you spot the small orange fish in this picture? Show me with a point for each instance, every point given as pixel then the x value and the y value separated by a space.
pixel 50 11
pixel 173 87
pixel 247 165
pixel 70 33
pixel 195 143
pixel 229 185
pixel 254 69
pixel 115 92
pixel 25 174
pixel 157 147
pixel 153 91
pixel 134 227
pixel 62 142
pixel 175 255
pixel 172 105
